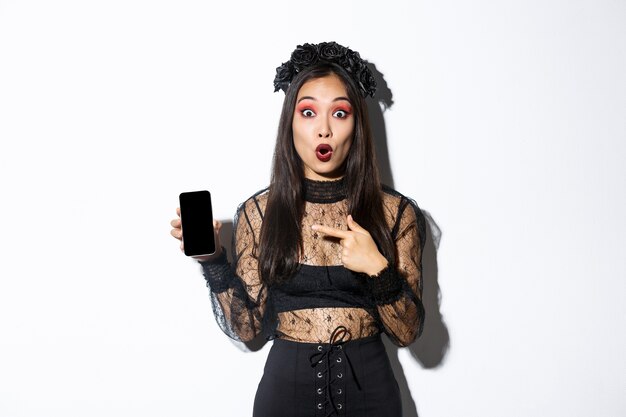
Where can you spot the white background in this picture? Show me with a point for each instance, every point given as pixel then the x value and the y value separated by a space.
pixel 508 126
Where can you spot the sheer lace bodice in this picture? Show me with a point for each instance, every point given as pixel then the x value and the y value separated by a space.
pixel 323 294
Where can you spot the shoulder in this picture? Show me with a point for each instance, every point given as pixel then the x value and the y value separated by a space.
pixel 403 210
pixel 398 201
pixel 253 207
pixel 257 201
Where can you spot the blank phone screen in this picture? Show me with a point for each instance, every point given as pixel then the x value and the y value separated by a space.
pixel 197 223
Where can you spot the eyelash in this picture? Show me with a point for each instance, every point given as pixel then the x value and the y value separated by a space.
pixel 346 113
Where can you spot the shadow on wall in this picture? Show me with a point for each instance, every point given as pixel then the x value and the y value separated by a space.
pixel 430 349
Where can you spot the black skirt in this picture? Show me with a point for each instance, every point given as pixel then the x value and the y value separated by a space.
pixel 348 379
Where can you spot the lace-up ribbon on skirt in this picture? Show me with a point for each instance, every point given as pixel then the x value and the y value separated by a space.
pixel 347 378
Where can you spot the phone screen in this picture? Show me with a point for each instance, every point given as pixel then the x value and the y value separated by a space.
pixel 197 223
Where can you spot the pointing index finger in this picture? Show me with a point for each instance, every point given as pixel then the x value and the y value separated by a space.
pixel 331 231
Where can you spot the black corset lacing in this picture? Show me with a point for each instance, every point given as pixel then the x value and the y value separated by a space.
pixel 338 338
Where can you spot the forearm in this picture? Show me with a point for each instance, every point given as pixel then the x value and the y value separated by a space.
pixel 217 272
pixel 236 312
pixel 400 310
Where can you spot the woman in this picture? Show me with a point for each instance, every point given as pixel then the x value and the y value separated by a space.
pixel 325 259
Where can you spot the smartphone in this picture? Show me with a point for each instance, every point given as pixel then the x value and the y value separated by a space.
pixel 196 216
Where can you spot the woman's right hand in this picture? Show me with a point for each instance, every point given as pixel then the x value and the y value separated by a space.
pixel 177 232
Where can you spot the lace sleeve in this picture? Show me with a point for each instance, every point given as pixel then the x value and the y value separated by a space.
pixel 397 290
pixel 237 295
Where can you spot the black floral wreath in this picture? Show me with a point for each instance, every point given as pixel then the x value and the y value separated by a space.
pixel 308 54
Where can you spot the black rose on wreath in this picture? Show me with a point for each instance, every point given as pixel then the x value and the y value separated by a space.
pixel 331 51
pixel 353 62
pixel 284 75
pixel 304 56
pixel 367 82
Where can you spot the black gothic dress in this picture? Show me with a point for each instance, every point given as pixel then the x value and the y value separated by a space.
pixel 327 357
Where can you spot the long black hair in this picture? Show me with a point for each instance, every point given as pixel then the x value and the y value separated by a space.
pixel 281 238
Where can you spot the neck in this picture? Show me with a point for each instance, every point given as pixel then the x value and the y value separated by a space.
pixel 328 191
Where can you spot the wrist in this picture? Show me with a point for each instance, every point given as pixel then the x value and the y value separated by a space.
pixel 386 287
pixel 218 254
pixel 379 265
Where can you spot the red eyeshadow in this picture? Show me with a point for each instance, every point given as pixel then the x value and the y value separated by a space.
pixel 304 106
pixel 345 107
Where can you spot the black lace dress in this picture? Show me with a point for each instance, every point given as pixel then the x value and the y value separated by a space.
pixel 327 357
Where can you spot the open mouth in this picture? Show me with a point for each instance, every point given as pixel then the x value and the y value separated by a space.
pixel 324 152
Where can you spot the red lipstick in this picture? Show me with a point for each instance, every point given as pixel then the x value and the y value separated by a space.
pixel 324 152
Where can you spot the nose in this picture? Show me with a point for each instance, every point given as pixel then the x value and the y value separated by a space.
pixel 324 130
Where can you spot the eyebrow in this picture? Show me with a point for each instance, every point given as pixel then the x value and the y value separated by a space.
pixel 314 99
